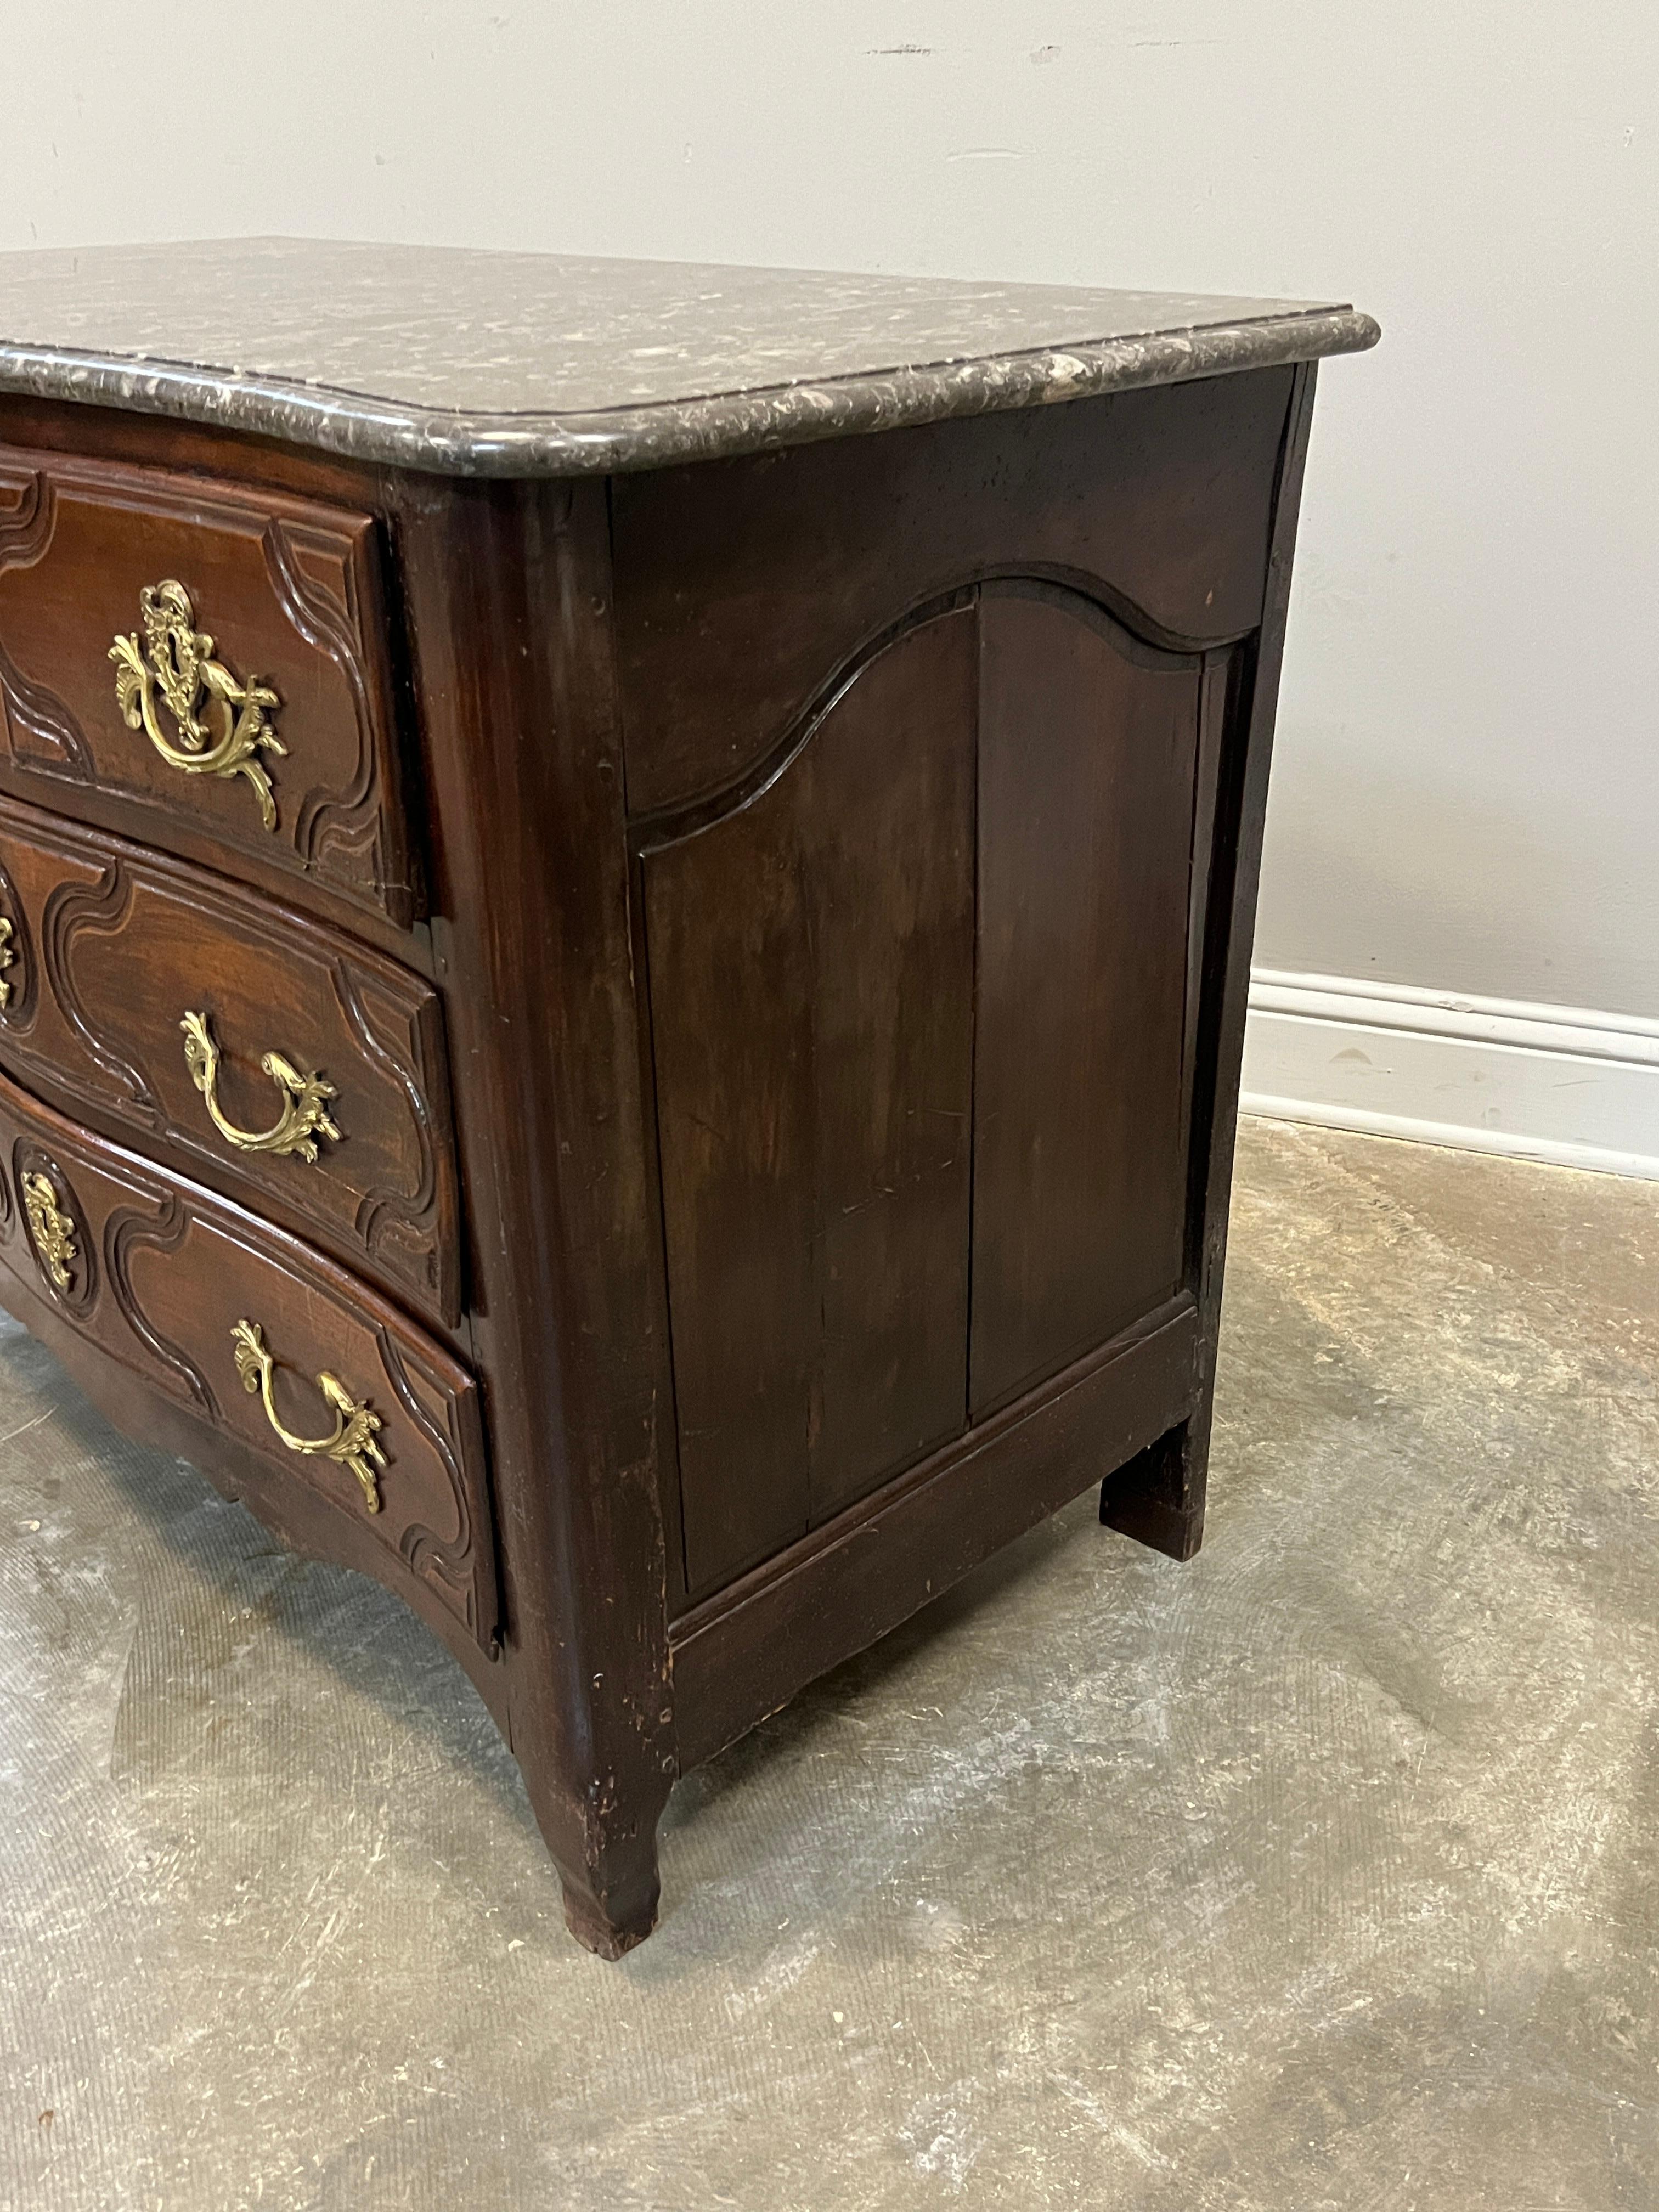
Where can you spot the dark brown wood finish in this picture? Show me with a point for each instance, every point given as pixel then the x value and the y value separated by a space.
pixel 744 588
pixel 290 592
pixel 841 867
pixel 1087 759
pixel 156 1274
pixel 811 964
pixel 752 1648
pixel 113 945
pixel 508 592
pixel 1158 1498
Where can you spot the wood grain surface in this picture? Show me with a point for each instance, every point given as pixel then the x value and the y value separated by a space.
pixel 744 588
pixel 840 870
pixel 290 593
pixel 812 964
pixel 158 1276
pixel 113 945
pixel 1087 765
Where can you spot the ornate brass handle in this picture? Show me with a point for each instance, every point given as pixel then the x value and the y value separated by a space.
pixel 352 1443
pixel 305 1109
pixel 52 1230
pixel 231 731
pixel 8 956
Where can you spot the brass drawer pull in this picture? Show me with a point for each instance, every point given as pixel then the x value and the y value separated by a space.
pixel 52 1230
pixel 8 957
pixel 352 1443
pixel 305 1110
pixel 227 736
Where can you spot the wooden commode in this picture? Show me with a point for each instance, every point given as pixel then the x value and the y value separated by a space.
pixel 625 908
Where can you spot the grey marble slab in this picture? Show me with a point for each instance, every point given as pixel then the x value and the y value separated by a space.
pixel 472 363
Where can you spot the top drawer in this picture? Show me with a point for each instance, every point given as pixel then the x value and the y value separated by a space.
pixel 209 664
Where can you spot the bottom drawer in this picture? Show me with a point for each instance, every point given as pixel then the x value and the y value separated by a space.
pixel 271 1344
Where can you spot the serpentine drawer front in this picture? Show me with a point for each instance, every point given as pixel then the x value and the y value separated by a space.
pixel 281 1063
pixel 208 666
pixel 195 1297
pixel 711 820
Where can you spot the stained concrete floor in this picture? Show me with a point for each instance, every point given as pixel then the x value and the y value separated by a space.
pixel 1323 1872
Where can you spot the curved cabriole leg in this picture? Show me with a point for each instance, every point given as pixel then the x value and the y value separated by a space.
pixel 605 1850
pixel 602 1837
pixel 610 1913
pixel 1158 1496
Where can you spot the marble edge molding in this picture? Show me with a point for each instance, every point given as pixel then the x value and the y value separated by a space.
pixel 660 434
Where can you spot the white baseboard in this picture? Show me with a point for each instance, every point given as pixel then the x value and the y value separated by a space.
pixel 1561 1084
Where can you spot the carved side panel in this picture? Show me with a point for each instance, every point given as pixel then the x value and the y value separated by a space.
pixel 919 1035
pixel 113 946
pixel 810 956
pixel 289 594
pixel 743 586
pixel 158 1272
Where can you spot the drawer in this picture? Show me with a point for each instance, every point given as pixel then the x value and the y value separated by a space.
pixel 311 1085
pixel 210 664
pixel 351 1410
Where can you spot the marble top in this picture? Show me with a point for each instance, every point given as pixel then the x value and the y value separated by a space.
pixel 472 363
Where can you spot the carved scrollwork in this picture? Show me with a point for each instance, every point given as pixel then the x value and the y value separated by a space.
pixel 103 908
pixel 52 1228
pixel 149 1260
pixel 397 1224
pixel 40 730
pixel 87 914
pixel 301 582
pixel 160 1224
pixel 450 1564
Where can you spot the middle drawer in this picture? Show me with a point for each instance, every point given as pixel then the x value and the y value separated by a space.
pixel 281 1063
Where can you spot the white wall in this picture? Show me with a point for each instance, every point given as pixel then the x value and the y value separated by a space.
pixel 1468 788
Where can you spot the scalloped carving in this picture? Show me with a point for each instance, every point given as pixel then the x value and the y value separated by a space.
pixel 163 1231
pixel 39 727
pixel 105 907
pixel 169 1269
pixel 401 1041
pixel 311 571
pixel 736 588
pixel 291 587
pixel 124 942
pixel 447 1563
pixel 709 809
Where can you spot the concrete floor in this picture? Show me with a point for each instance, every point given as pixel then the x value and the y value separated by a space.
pixel 1323 1872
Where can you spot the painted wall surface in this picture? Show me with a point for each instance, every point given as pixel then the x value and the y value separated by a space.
pixel 1468 790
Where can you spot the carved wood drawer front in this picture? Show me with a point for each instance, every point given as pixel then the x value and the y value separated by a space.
pixel 275 1347
pixel 283 1064
pixel 205 667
